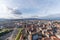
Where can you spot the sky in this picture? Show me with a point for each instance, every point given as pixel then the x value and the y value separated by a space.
pixel 16 9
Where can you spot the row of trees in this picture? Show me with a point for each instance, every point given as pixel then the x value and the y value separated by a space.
pixel 5 32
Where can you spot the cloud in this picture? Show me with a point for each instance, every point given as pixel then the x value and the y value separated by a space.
pixel 16 14
pixel 14 11
pixel 29 8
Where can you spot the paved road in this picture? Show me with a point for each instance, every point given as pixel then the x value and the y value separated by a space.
pixel 10 35
pixel 13 35
pixel 5 36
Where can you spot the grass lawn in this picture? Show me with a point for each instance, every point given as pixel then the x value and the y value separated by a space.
pixel 19 34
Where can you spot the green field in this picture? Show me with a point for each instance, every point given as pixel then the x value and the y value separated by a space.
pixel 19 34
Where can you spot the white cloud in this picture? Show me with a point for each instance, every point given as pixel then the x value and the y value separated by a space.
pixel 45 7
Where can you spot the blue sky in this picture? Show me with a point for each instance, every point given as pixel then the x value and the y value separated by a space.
pixel 28 8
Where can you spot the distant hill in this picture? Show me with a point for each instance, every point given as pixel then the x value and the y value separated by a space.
pixel 1 19
pixel 49 17
pixel 52 17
